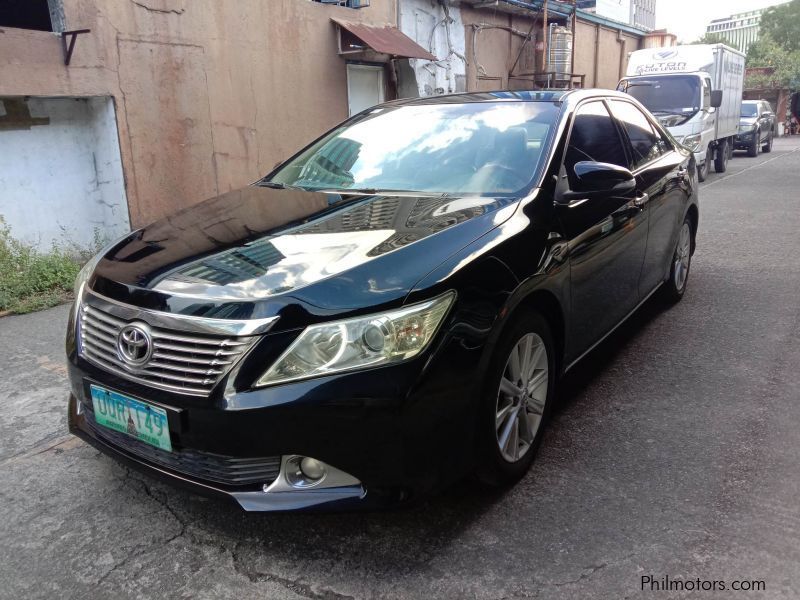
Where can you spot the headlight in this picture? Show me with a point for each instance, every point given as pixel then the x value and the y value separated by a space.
pixel 86 272
pixel 692 142
pixel 370 341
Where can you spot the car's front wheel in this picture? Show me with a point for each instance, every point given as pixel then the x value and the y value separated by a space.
pixel 752 150
pixel 517 399
pixel 703 169
pixel 768 146
pixel 674 288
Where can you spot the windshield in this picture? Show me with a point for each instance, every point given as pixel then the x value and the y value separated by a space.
pixel 485 148
pixel 672 94
pixel 749 110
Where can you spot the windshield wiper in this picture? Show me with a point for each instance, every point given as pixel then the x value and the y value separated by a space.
pixel 378 192
pixel 279 186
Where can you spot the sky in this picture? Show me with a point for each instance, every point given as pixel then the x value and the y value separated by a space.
pixel 688 18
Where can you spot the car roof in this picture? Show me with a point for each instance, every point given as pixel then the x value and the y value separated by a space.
pixel 544 95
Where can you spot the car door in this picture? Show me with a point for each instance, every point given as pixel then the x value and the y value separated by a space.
pixel 606 234
pixel 765 122
pixel 662 177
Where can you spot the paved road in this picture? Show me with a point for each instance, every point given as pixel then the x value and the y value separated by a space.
pixel 675 451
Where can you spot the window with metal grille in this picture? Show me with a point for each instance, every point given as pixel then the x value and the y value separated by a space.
pixel 345 3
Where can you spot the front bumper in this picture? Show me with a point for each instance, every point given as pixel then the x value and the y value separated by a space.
pixel 399 431
pixel 743 140
pixel 276 496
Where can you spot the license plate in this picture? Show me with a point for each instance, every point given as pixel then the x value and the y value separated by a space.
pixel 138 419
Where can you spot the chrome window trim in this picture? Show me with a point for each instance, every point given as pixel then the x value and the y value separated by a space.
pixel 177 322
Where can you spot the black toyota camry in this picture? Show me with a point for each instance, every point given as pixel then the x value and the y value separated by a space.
pixel 389 310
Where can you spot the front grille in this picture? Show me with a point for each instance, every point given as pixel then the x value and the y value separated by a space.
pixel 182 362
pixel 205 466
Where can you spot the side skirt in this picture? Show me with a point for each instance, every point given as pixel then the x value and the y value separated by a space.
pixel 613 329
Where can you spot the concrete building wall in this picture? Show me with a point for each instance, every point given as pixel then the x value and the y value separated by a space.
pixel 425 22
pixel 210 94
pixel 493 42
pixel 602 53
pixel 61 172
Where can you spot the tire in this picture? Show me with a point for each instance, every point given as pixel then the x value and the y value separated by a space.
pixel 755 145
pixel 506 445
pixel 702 170
pixel 674 288
pixel 721 160
pixel 767 148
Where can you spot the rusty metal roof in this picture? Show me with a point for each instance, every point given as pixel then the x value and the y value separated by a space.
pixel 386 40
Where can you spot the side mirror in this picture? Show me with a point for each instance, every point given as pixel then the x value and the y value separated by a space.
pixel 766 115
pixel 600 179
pixel 716 98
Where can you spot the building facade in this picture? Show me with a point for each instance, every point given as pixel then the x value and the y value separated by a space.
pixel 643 14
pixel 739 30
pixel 636 13
pixel 163 103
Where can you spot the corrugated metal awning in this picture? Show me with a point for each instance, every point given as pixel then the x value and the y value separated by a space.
pixel 386 40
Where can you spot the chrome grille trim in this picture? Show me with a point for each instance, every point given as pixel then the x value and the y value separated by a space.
pixel 182 362
pixel 176 322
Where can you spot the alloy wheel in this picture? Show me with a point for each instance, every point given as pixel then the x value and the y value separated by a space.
pixel 521 398
pixel 683 255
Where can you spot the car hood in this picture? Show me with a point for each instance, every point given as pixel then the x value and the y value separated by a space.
pixel 747 123
pixel 252 252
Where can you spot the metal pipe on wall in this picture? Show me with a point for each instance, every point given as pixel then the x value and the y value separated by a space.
pixel 544 36
pixel 622 46
pixel 596 54
pixel 574 18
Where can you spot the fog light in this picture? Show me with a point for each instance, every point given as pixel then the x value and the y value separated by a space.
pixel 312 468
pixel 303 471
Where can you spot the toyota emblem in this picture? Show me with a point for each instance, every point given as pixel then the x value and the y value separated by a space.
pixel 134 345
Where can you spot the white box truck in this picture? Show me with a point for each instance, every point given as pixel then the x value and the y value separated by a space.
pixel 696 93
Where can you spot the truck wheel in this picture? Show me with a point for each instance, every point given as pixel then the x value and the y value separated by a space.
pixel 721 161
pixel 768 146
pixel 755 145
pixel 702 170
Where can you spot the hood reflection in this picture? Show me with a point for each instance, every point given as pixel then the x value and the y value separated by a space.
pixel 318 249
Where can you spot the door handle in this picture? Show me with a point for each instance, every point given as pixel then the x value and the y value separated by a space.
pixel 640 200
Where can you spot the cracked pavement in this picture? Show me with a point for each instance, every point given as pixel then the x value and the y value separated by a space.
pixel 674 451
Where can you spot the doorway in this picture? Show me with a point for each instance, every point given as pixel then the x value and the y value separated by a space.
pixel 366 87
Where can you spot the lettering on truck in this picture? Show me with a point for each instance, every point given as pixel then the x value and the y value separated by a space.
pixel 665 67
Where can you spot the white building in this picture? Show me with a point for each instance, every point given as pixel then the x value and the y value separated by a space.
pixel 637 13
pixel 643 14
pixel 739 30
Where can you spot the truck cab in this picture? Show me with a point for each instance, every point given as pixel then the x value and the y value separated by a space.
pixel 695 92
pixel 682 102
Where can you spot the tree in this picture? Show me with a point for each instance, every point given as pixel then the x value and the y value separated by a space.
pixel 766 52
pixel 712 38
pixel 782 24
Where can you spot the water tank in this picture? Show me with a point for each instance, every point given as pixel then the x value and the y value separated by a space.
pixel 560 51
